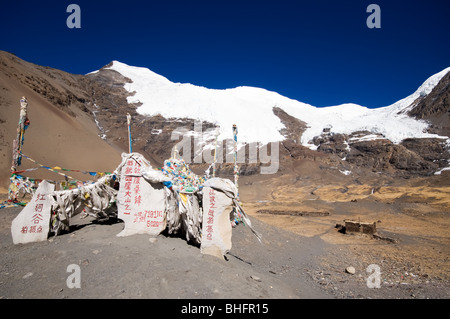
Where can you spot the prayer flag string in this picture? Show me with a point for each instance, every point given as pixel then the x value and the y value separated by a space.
pixel 56 170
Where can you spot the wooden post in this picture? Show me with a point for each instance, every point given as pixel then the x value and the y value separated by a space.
pixel 175 152
pixel 23 125
pixel 215 152
pixel 236 167
pixel 130 149
pixel 24 122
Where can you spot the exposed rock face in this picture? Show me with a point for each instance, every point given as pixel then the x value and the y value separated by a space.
pixel 294 127
pixel 58 87
pixel 412 156
pixel 102 97
pixel 332 143
pixel 383 155
pixel 430 149
pixel 435 107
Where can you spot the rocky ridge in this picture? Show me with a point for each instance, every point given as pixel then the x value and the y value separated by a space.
pixel 101 96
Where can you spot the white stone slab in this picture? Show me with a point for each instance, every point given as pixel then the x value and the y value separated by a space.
pixel 33 222
pixel 216 225
pixel 140 204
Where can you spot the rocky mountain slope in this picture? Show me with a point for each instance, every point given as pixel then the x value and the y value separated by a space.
pixel 79 122
pixel 76 117
pixel 392 139
pixel 62 131
pixel 434 107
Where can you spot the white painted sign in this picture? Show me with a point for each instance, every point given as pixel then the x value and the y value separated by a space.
pixel 216 225
pixel 33 222
pixel 140 204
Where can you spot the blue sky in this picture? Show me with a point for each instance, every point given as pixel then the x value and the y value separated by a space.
pixel 317 52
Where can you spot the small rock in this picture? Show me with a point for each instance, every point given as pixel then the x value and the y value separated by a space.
pixel 255 278
pixel 27 275
pixel 152 240
pixel 350 270
pixel 95 252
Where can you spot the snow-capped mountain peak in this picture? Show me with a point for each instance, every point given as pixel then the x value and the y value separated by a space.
pixel 139 74
pixel 404 105
pixel 251 109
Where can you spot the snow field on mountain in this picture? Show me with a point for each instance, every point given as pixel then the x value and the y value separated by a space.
pixel 251 109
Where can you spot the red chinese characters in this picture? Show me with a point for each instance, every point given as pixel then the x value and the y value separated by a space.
pixel 132 186
pixel 140 205
pixel 148 217
pixel 210 217
pixel 33 225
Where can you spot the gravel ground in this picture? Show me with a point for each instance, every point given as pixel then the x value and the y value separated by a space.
pixel 284 266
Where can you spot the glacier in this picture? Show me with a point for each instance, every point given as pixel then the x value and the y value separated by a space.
pixel 251 109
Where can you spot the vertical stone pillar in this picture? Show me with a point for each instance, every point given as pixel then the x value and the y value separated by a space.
pixel 140 204
pixel 216 225
pixel 33 222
